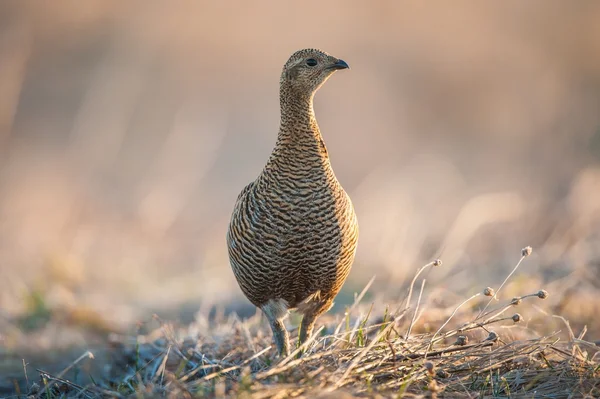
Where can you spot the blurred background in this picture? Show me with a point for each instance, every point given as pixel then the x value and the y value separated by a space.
pixel 464 131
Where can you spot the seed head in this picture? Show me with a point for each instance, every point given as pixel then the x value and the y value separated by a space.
pixel 517 318
pixel 542 294
pixel 488 291
pixel 430 367
pixel 437 262
pixel 442 374
pixel 461 340
pixel 516 301
pixel 526 251
pixel 492 337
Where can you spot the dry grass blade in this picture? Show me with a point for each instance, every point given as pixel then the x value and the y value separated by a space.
pixel 356 302
pixel 361 355
pixel 280 369
pixel 87 354
pixel 232 368
pixel 161 370
pixel 302 346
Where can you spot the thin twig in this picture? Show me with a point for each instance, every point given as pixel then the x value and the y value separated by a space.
pixel 448 320
pixel 501 285
pixel 412 283
pixel 412 322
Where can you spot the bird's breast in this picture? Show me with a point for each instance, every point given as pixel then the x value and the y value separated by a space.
pixel 297 231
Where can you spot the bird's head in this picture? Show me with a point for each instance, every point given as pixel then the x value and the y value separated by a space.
pixel 307 70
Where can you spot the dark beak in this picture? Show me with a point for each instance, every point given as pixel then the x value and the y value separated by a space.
pixel 340 64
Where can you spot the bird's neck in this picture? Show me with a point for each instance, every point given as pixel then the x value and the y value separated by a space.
pixel 298 131
pixel 300 147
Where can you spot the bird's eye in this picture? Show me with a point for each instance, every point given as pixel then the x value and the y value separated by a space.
pixel 311 62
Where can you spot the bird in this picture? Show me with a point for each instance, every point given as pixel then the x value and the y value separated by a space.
pixel 293 232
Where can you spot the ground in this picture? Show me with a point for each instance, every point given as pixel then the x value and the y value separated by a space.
pixel 415 347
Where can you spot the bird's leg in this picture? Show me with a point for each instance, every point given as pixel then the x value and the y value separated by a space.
pixel 276 310
pixel 307 326
pixel 310 317
pixel 281 337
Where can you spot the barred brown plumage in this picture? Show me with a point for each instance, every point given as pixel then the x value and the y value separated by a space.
pixel 293 232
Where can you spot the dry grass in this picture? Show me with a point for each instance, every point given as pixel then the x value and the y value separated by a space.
pixel 489 352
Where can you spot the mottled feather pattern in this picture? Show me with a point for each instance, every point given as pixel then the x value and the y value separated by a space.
pixel 293 232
